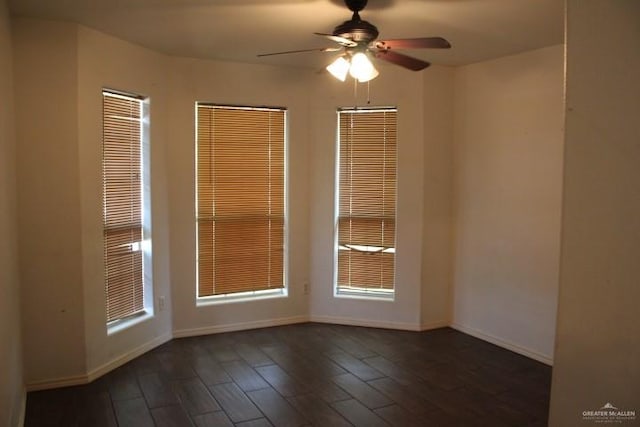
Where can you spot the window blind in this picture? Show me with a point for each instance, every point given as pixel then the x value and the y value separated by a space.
pixel 122 203
pixel 367 200
pixel 241 199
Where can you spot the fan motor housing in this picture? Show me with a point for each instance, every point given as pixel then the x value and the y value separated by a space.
pixel 357 30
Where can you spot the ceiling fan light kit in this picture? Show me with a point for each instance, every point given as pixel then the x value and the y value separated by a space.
pixel 339 68
pixel 358 66
pixel 361 68
pixel 358 39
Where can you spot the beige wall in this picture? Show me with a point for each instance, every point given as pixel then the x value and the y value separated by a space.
pixel 508 133
pixel 49 199
pixel 598 336
pixel 194 80
pixel 394 87
pixel 506 122
pixel 59 168
pixel 60 205
pixel 437 194
pixel 107 62
pixel 11 372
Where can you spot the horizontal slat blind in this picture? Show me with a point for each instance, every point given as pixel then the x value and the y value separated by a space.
pixel 240 208
pixel 122 194
pixel 367 199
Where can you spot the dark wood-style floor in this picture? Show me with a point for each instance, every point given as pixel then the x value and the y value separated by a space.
pixel 309 374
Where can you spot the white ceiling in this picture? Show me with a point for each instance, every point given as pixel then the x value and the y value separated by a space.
pixel 237 30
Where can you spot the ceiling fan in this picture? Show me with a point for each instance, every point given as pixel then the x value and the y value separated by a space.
pixel 358 41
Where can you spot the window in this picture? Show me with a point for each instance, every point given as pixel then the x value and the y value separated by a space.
pixel 366 202
pixel 240 207
pixel 123 204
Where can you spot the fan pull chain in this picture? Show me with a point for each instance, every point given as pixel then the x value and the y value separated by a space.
pixel 355 92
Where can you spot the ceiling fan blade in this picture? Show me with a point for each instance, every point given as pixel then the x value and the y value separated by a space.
pixel 338 39
pixel 405 61
pixel 322 49
pixel 419 43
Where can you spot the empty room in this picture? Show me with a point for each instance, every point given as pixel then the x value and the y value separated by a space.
pixel 319 212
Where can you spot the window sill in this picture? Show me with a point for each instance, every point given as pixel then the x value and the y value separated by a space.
pixel 122 324
pixel 240 297
pixel 365 294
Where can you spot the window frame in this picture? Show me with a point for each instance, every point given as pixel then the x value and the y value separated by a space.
pixel 251 295
pixel 147 310
pixel 377 294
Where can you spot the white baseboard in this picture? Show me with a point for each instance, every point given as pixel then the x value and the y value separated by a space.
pixel 23 407
pixel 100 370
pixel 516 348
pixel 57 383
pixel 366 323
pixel 231 327
pixel 434 325
pixel 127 357
pixel 138 351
